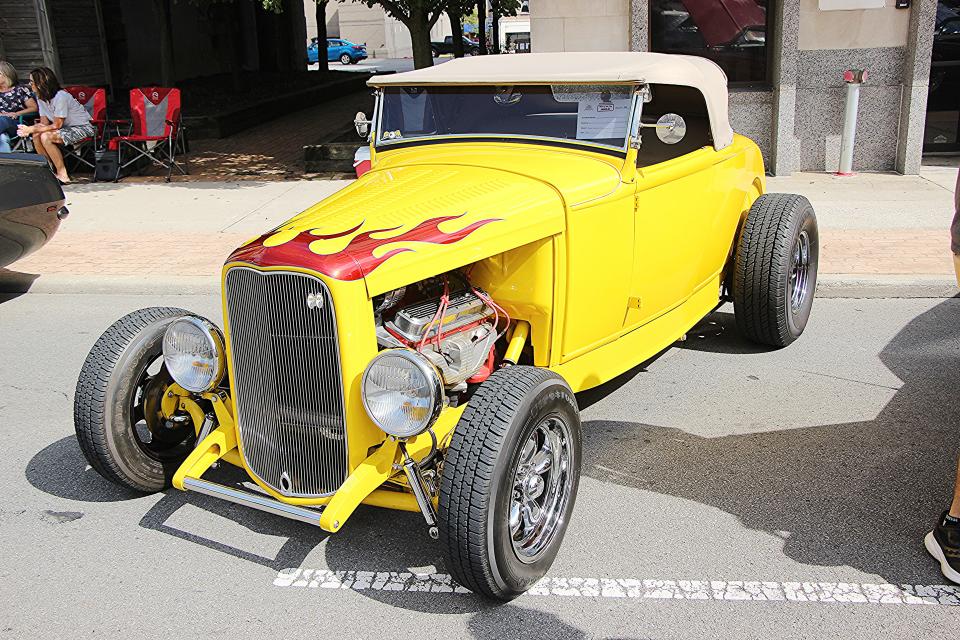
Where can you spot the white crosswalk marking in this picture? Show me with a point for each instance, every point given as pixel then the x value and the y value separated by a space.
pixel 743 590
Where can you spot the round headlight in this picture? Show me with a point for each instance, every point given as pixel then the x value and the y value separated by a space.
pixel 193 353
pixel 402 392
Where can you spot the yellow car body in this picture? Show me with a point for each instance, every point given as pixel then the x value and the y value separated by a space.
pixel 528 229
pixel 609 264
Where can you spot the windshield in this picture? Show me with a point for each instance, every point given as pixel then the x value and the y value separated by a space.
pixel 580 114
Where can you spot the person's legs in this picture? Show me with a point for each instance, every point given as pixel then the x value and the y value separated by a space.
pixel 8 129
pixel 50 140
pixel 38 145
pixel 943 542
pixel 8 125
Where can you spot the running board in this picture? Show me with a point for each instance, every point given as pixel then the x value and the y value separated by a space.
pixel 253 500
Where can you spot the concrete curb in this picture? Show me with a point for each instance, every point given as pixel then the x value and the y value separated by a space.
pixel 833 285
pixel 828 285
pixel 17 283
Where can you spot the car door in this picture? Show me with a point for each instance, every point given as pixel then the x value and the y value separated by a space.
pixel 333 50
pixel 686 210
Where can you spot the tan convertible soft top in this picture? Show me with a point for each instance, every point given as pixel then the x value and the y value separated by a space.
pixel 583 68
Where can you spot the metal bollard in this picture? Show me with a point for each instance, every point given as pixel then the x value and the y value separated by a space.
pixel 854 78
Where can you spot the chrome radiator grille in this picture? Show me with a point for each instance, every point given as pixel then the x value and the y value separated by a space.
pixel 286 380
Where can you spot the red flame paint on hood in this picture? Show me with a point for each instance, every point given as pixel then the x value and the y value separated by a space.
pixel 357 259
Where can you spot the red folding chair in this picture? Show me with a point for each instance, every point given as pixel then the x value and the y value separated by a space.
pixel 158 133
pixel 94 100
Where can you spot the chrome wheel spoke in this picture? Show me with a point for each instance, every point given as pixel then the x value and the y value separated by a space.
pixel 529 447
pixel 514 518
pixel 531 514
pixel 541 462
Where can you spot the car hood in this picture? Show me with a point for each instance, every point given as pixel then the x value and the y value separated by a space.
pixel 401 224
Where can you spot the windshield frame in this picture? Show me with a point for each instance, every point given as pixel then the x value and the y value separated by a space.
pixel 635 103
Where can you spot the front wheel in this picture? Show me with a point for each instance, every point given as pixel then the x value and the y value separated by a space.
pixel 117 408
pixel 775 273
pixel 510 481
pixel 346 59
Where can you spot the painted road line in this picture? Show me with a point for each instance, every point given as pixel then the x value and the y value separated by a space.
pixel 730 590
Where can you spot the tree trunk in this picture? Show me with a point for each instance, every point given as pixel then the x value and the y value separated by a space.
pixel 323 65
pixel 495 27
pixel 482 25
pixel 456 27
pixel 419 28
pixel 168 72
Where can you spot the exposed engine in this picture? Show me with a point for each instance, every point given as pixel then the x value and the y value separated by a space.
pixel 447 319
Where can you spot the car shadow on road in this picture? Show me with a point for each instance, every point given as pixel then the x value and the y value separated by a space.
pixel 861 494
pixel 717 333
pixel 61 470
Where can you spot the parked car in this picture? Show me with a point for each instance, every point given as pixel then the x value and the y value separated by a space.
pixel 527 230
pixel 338 49
pixel 470 47
pixel 31 205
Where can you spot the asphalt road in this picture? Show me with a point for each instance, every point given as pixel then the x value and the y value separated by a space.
pixel 727 492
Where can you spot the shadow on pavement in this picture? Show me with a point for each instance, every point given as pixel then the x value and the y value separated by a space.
pixel 61 470
pixel 717 333
pixel 15 283
pixel 861 494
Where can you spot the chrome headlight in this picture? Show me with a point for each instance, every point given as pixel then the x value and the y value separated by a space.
pixel 402 392
pixel 193 352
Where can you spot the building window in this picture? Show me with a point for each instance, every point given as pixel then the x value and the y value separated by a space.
pixel 732 33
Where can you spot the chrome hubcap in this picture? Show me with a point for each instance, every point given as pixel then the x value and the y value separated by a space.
pixel 800 274
pixel 541 488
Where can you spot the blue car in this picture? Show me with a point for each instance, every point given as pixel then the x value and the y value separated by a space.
pixel 338 49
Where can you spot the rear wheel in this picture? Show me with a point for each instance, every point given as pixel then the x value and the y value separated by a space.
pixel 775 274
pixel 510 481
pixel 345 59
pixel 117 414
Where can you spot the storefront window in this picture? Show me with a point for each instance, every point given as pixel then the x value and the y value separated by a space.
pixel 732 33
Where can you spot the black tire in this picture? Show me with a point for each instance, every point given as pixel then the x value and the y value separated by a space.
pixel 765 275
pixel 478 483
pixel 434 52
pixel 346 59
pixel 106 411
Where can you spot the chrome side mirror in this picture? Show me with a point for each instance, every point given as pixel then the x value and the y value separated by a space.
pixel 671 128
pixel 362 125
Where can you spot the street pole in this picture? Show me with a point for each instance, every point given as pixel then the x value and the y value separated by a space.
pixel 854 78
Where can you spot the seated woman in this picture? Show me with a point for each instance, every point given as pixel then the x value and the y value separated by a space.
pixel 63 120
pixel 15 101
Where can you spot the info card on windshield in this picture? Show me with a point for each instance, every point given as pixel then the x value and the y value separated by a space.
pixel 599 119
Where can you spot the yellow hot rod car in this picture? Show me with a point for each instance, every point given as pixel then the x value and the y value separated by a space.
pixel 532 226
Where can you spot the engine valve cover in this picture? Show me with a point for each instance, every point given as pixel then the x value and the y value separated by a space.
pixel 464 308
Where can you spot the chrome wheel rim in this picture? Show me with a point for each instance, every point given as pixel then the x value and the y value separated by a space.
pixel 800 273
pixel 540 489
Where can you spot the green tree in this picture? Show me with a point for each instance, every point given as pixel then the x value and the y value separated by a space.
pixel 500 9
pixel 418 16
